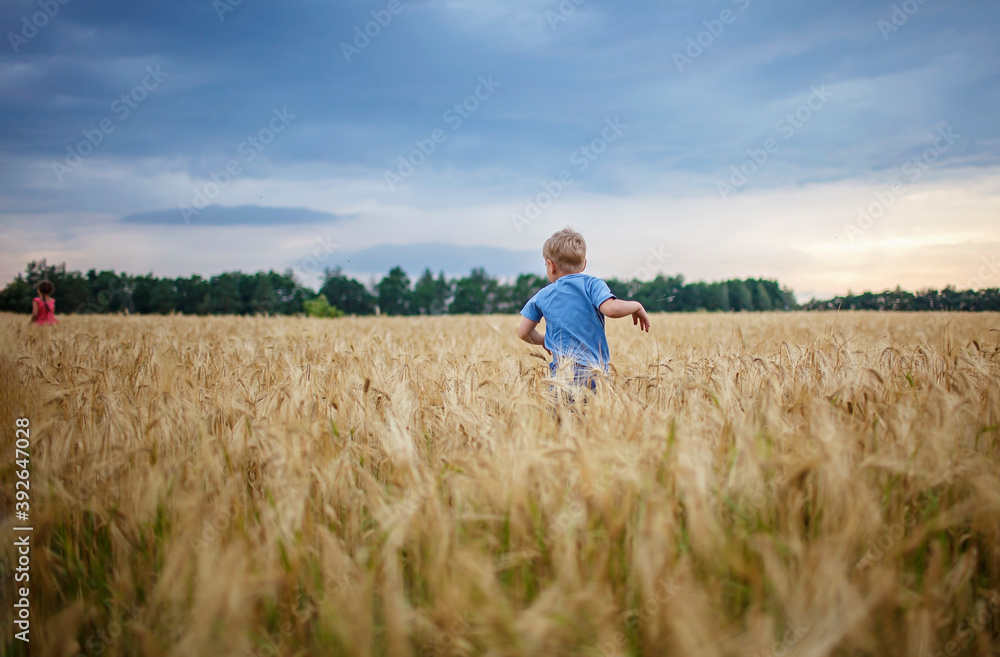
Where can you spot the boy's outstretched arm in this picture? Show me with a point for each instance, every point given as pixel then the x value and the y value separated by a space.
pixel 617 308
pixel 528 332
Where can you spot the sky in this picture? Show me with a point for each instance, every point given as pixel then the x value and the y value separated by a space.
pixel 832 145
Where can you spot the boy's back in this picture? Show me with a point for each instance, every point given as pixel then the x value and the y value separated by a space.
pixel 574 307
pixel 574 327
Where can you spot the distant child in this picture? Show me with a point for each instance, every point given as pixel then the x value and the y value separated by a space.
pixel 43 307
pixel 574 307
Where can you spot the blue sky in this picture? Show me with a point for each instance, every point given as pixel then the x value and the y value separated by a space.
pixel 206 136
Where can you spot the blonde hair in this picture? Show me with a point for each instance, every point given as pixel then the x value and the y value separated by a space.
pixel 567 249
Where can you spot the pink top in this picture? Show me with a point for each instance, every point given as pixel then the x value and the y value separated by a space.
pixel 46 311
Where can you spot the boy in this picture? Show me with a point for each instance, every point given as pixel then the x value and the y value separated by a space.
pixel 574 308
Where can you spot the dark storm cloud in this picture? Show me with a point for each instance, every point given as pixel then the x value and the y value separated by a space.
pixel 561 76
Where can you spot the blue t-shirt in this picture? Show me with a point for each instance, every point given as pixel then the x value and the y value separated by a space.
pixel 574 327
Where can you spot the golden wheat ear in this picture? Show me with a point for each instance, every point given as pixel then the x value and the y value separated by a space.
pixel 739 484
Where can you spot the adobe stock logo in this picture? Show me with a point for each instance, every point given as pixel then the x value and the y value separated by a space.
pixel 223 7
pixel 455 116
pixel 899 17
pixel 911 172
pixel 786 127
pixel 699 43
pixel 122 107
pixel 654 264
pixel 249 149
pixel 985 273
pixel 566 9
pixel 29 28
pixel 581 159
pixel 363 37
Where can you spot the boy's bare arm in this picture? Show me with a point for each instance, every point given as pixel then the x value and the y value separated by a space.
pixel 528 332
pixel 618 308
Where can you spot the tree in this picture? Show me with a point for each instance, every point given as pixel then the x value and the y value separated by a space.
pixel 142 288
pixel 717 296
pixel 619 288
pixel 224 295
pixel 290 294
pixel 474 294
pixel 17 295
pixel 191 292
pixel 739 295
pixel 645 292
pixel 320 307
pixel 347 294
pixel 431 295
pixel 424 293
pixel 442 295
pixel 394 295
pixel 264 300
pixel 108 291
pixel 163 297
pixel 71 288
pixel 511 298
pixel 761 299
pixel 658 295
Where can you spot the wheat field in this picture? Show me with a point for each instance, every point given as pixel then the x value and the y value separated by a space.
pixel 740 485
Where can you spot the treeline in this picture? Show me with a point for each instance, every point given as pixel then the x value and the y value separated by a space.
pixel 231 293
pixel 479 293
pixel 947 299
pixel 236 293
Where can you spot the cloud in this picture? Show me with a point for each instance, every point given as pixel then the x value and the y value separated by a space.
pixel 244 215
pixel 560 82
